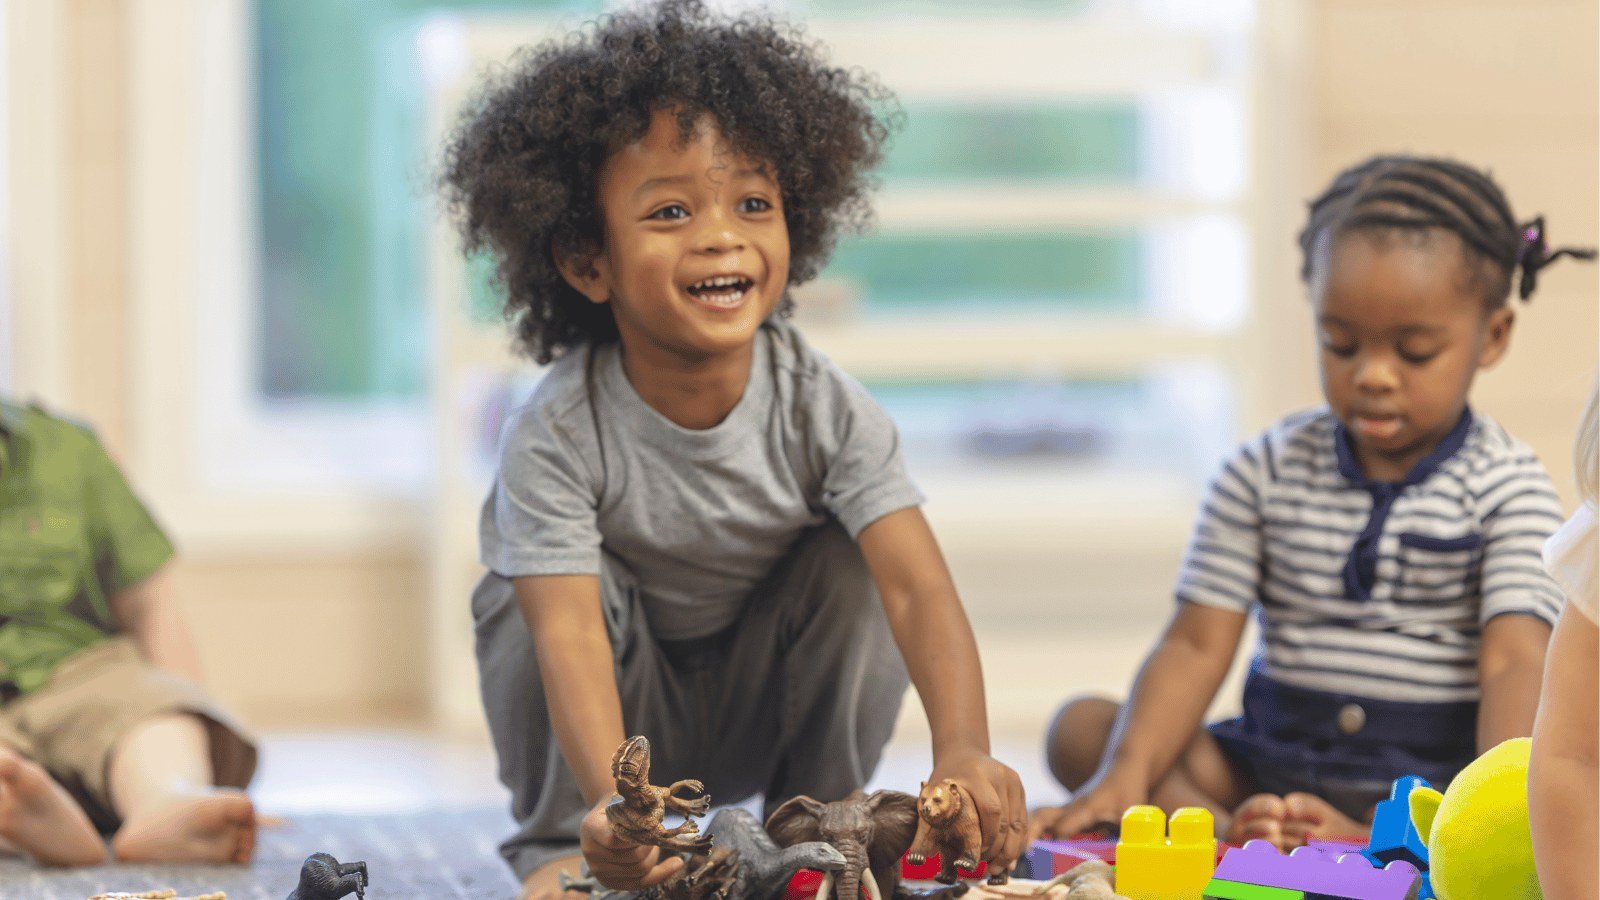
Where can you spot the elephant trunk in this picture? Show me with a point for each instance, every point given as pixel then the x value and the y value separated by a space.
pixel 855 862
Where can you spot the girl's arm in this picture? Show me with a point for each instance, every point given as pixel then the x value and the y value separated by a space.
pixel 931 629
pixel 1170 696
pixel 580 687
pixel 1509 666
pixel 148 612
pixel 1561 773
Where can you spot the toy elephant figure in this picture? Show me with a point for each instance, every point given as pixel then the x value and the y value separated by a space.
pixel 872 832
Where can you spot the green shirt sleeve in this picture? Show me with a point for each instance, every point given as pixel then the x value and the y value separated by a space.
pixel 124 539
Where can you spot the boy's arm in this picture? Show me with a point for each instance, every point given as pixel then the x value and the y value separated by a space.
pixel 1174 687
pixel 580 687
pixel 1561 773
pixel 931 629
pixel 1509 667
pixel 147 611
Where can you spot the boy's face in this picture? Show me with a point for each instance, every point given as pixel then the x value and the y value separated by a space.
pixel 696 252
pixel 1402 333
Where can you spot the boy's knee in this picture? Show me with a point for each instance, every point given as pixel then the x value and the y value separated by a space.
pixel 1077 737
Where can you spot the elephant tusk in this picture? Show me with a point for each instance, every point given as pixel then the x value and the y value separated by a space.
pixel 871 883
pixel 825 889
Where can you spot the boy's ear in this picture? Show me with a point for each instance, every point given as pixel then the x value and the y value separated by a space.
pixel 1497 336
pixel 585 269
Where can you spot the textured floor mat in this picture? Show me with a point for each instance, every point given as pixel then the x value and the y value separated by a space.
pixel 414 856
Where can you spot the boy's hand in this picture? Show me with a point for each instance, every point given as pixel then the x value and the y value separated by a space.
pixel 997 793
pixel 617 863
pixel 1102 799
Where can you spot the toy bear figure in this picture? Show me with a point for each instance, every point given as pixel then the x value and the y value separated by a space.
pixel 950 829
pixel 324 878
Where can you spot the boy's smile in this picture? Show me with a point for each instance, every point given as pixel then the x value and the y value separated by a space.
pixel 696 250
pixel 1403 331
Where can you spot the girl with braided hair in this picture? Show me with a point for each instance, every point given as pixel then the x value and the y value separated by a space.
pixel 1389 543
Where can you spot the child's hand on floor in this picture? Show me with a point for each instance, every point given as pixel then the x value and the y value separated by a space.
pixel 997 793
pixel 618 863
pixel 1101 800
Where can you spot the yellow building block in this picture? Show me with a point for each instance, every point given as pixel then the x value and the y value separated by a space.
pixel 1150 866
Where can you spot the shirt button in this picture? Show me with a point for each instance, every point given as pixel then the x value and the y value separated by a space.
pixel 1352 718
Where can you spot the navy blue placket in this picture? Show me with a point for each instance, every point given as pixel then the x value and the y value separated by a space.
pixel 1361 568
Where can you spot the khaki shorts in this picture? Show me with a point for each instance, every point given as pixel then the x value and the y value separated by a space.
pixel 96 696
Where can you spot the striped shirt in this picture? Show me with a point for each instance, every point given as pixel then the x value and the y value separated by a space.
pixel 1375 589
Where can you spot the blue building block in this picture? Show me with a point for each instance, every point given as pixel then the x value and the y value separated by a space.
pixel 1393 835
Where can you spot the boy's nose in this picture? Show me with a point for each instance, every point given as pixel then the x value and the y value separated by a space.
pixel 1376 375
pixel 719 234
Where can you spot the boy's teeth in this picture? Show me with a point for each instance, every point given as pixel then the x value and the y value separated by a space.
pixel 721 281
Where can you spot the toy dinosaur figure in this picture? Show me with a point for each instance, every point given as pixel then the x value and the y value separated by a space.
pixel 764 867
pixel 950 829
pixel 1091 880
pixel 324 878
pixel 717 876
pixel 637 812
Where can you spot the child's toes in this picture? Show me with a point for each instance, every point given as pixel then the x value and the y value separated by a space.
pixel 1259 817
pixel 1313 818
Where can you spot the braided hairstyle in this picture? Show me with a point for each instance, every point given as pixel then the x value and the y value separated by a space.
pixel 1422 194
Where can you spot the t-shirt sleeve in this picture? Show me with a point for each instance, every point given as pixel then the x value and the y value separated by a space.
pixel 1570 558
pixel 124 538
pixel 540 516
pixel 864 477
pixel 1223 562
pixel 1520 511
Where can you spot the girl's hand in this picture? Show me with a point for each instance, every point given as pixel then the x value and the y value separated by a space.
pixel 996 791
pixel 1102 799
pixel 618 863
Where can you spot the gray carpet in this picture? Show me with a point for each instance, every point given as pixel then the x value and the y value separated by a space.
pixel 419 856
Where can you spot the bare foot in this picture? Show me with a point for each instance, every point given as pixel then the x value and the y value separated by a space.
pixel 40 818
pixel 216 827
pixel 1260 817
pixel 544 883
pixel 1311 818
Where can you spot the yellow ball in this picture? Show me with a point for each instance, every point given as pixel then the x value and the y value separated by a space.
pixel 1479 845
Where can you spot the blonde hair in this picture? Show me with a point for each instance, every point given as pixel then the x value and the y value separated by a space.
pixel 1585 452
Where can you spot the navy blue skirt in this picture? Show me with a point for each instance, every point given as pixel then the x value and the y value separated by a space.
pixel 1345 749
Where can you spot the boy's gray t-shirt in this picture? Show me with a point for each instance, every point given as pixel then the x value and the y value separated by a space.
pixel 698 517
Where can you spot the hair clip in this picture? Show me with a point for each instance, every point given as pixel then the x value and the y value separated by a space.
pixel 1534 255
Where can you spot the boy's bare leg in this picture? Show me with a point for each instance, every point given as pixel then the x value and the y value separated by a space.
pixel 1201 776
pixel 544 883
pixel 39 817
pixel 161 786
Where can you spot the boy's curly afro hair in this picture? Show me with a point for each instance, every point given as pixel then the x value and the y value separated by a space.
pixel 520 170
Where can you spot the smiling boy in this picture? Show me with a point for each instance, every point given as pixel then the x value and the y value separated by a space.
pixel 701 530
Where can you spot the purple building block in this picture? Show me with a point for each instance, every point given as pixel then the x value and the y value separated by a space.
pixel 1349 876
pixel 1047 859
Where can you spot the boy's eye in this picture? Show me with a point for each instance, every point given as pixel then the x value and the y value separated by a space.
pixel 674 211
pixel 754 205
pixel 1337 349
pixel 1417 359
